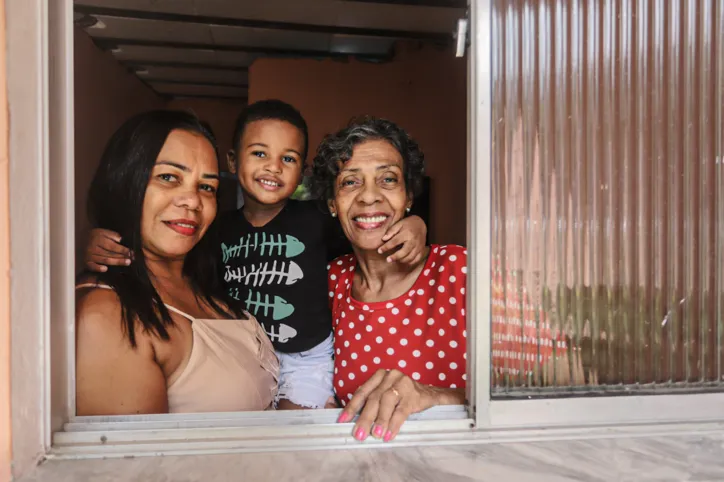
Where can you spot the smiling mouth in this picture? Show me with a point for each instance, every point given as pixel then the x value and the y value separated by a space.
pixel 270 184
pixel 184 228
pixel 370 221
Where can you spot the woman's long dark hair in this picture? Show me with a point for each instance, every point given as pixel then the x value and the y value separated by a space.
pixel 115 202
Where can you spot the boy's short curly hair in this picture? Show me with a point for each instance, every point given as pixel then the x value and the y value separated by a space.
pixel 338 147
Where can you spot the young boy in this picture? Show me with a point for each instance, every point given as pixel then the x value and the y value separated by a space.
pixel 275 250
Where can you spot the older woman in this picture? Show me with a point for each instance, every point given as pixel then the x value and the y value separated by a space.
pixel 162 335
pixel 399 329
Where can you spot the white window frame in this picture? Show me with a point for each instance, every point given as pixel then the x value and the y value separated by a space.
pixel 40 91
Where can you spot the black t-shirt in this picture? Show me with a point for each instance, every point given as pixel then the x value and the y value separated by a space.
pixel 279 271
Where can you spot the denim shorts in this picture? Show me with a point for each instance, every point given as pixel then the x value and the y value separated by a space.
pixel 305 378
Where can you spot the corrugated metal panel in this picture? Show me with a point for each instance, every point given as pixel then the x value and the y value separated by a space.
pixel 608 199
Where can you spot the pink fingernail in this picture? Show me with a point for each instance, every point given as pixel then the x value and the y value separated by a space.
pixel 344 418
pixel 388 436
pixel 360 435
pixel 378 430
pixel 389 259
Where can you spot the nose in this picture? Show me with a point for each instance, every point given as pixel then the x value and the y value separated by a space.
pixel 274 165
pixel 369 194
pixel 189 199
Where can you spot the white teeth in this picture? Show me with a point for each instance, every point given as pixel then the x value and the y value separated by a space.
pixel 371 219
pixel 269 183
pixel 190 226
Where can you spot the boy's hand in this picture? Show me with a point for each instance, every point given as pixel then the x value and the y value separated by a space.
pixel 409 236
pixel 105 249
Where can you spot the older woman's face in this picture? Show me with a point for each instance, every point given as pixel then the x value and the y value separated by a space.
pixel 370 193
pixel 180 200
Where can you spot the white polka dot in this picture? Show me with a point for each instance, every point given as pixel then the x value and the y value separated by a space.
pixel 346 343
pixel 406 321
pixel 430 321
pixel 453 300
pixel 351 376
pixel 462 312
pixel 376 360
pixel 339 351
pixel 441 289
pixel 415 376
pixel 381 319
pixel 402 363
pixel 333 277
pixel 465 333
pixel 430 301
pixel 368 328
pixel 453 365
pixel 344 315
pixel 442 253
pixel 453 257
pixel 441 332
pixel 441 376
pixel 403 342
pixel 462 291
pixel 358 337
pixel 349 396
pixel 393 330
pixel 361 317
pixel 432 282
pixel 378 339
pixel 363 368
pixel 418 311
pixel 336 370
pixel 408 302
pixel 339 333
pixel 344 363
pixel 426 272
pixel 331 294
pixel 435 250
pixel 453 322
pixel 433 265
pixel 351 308
pixel 442 310
pixel 340 383
pixel 418 332
pixel 395 311
pixel 412 292
pixel 351 325
pixel 429 365
pixel 366 308
pixel 442 268
pixel 465 269
pixel 328 266
pixel 452 385
pixel 368 348
pixel 339 296
pixel 353 356
pixel 344 270
pixel 389 305
pixel 441 354
pixel 390 351
pixel 452 278
pixel 453 344
pixel 465 252
pixel 420 292
pixel 339 263
pixel 465 356
pixel 416 353
pixel 465 377
pixel 430 343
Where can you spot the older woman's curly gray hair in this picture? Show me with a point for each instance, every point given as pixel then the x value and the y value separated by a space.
pixel 336 149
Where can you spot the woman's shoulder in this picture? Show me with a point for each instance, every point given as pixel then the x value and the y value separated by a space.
pixel 449 253
pixel 342 264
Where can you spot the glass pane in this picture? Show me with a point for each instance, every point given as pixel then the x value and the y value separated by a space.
pixel 608 198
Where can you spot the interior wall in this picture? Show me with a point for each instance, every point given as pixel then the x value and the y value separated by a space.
pixel 5 420
pixel 424 90
pixel 106 95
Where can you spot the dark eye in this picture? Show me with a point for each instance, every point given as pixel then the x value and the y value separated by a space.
pixel 289 159
pixel 389 180
pixel 208 188
pixel 258 153
pixel 349 182
pixel 168 177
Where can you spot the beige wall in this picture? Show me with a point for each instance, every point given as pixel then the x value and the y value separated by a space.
pixel 423 90
pixel 106 95
pixel 5 425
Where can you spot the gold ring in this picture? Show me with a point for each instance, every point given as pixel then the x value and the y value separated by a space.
pixel 397 394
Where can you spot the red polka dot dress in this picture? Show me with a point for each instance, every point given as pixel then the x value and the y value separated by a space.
pixel 421 333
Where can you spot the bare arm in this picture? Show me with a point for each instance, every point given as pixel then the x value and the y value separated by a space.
pixel 112 377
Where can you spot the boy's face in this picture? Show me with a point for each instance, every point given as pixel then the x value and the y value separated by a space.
pixel 269 161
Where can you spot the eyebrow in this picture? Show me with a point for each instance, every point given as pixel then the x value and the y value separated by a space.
pixel 378 168
pixel 183 168
pixel 261 144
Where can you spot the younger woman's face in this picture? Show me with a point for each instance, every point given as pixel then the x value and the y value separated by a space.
pixel 370 193
pixel 180 201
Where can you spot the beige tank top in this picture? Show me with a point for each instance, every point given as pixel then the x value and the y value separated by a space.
pixel 232 367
